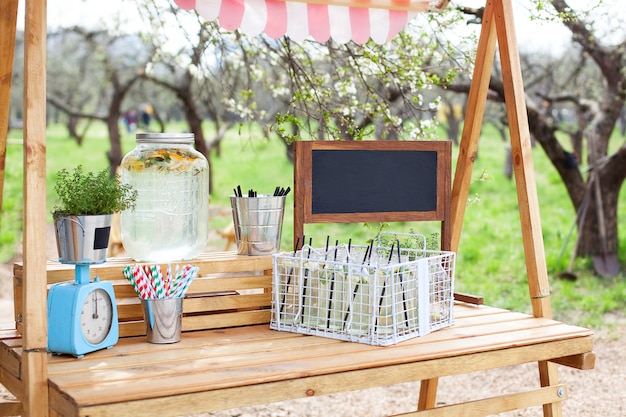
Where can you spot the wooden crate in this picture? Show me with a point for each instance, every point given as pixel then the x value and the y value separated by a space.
pixel 230 290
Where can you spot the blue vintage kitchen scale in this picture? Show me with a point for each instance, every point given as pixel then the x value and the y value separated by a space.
pixel 82 314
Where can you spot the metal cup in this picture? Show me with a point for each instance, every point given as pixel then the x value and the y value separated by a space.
pixel 164 319
pixel 258 223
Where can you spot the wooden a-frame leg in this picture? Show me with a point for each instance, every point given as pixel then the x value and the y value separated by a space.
pixel 35 320
pixel 8 27
pixel 428 394
pixel 548 375
pixel 498 24
pixel 538 285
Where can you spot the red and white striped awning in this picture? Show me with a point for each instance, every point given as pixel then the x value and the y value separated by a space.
pixel 341 20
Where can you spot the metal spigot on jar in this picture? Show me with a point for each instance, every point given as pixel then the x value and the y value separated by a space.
pixel 170 221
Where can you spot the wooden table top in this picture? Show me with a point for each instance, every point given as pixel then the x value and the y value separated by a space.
pixel 216 361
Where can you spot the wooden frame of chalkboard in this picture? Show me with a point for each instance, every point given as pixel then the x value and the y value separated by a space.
pixel 372 181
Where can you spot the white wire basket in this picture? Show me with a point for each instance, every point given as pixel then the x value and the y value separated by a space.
pixel 379 295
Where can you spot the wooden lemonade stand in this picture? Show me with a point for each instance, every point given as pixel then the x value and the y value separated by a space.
pixel 228 357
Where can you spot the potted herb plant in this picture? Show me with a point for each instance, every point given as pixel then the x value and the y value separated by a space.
pixel 82 219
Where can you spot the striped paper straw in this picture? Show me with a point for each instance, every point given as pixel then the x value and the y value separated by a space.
pixel 128 273
pixel 143 283
pixel 157 281
pixel 168 281
pixel 149 282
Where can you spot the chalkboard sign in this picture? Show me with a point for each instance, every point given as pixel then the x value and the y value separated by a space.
pixel 371 181
pixel 362 181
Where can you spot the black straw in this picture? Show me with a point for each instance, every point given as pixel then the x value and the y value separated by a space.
pixel 282 305
pixel 380 303
pixel 281 192
pixel 306 276
pixel 391 253
pixel 356 287
pixel 332 287
pixel 382 293
pixel 406 312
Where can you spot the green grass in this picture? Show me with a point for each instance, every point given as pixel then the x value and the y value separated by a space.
pixel 490 260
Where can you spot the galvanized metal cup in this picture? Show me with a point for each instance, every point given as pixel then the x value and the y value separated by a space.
pixel 258 223
pixel 164 319
pixel 83 239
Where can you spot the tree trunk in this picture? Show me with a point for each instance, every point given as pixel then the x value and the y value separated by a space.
pixel 115 153
pixel 113 118
pixel 593 240
pixel 597 238
pixel 72 127
pixel 195 125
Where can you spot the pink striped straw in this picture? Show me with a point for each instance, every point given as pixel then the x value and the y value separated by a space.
pixel 168 281
pixel 147 279
pixel 142 285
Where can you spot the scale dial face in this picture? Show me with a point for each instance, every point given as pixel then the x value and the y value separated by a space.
pixel 96 316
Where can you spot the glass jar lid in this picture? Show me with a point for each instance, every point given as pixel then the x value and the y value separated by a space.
pixel 184 138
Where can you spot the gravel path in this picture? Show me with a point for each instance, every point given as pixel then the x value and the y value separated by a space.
pixel 598 392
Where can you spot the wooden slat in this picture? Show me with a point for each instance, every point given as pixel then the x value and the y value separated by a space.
pixel 218 321
pixel 584 362
pixel 9 359
pixel 468 298
pixel 132 328
pixel 230 283
pixel 208 304
pixel 13 384
pixel 496 405
pixel 210 263
pixel 11 408
pixel 129 311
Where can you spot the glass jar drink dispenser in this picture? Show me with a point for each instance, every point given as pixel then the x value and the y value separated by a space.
pixel 170 221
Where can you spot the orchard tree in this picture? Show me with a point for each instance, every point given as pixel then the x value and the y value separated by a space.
pixel 199 68
pixel 595 190
pixel 94 83
pixel 589 82
pixel 350 92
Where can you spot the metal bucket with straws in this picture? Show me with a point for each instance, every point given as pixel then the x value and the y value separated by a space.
pixel 258 220
pixel 161 298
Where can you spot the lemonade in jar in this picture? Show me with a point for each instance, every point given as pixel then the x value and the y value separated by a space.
pixel 170 221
